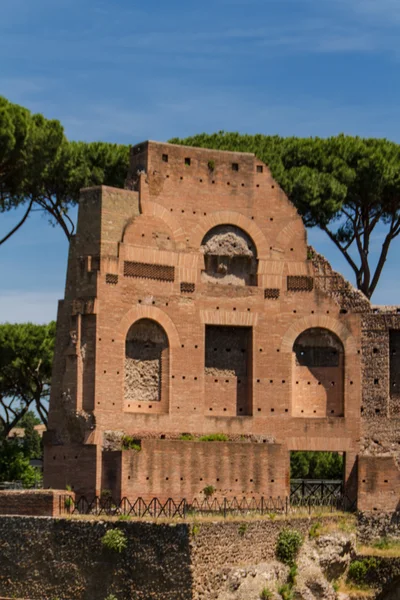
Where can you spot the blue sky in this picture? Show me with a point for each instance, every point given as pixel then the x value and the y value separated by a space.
pixel 125 71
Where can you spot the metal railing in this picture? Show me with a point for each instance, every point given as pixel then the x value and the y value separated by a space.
pixel 214 506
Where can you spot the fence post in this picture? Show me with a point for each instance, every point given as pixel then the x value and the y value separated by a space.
pixel 262 505
pixel 184 508
pixel 287 505
pixel 224 508
pixel 309 505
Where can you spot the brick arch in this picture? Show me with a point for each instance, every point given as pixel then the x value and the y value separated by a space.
pixel 154 209
pixel 155 314
pixel 285 236
pixel 324 322
pixel 229 217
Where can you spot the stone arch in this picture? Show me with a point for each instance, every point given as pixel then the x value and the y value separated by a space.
pixel 318 374
pixel 286 235
pixel 155 314
pixel 155 213
pixel 323 321
pixel 146 362
pixel 156 210
pixel 229 217
pixel 230 256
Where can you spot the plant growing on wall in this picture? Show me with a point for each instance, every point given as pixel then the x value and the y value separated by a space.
pixel 266 594
pixel 114 540
pixel 288 546
pixel 129 443
pixel 209 491
pixel 214 437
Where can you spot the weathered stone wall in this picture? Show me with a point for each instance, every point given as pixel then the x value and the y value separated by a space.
pixel 50 558
pixel 145 344
pixel 372 526
pixel 59 558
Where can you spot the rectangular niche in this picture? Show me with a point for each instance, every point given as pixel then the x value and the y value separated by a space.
pixel 228 371
pixel 394 349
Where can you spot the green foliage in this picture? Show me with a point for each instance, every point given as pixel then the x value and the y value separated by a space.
pixel 315 530
pixel 286 591
pixel 209 491
pixel 360 569
pixel 292 576
pixel 266 594
pixel 114 540
pixel 111 597
pixel 32 442
pixel 336 586
pixel 26 356
pixel 243 528
pixel 105 494
pixel 130 443
pixel 346 186
pixel 288 546
pixel 316 465
pixel 211 165
pixel 195 529
pixel 186 437
pixel 14 464
pixel 383 543
pixel 214 437
pixel 41 169
pixel 124 518
pixel 68 502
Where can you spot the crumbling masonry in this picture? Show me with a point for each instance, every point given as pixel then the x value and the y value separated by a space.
pixel 194 306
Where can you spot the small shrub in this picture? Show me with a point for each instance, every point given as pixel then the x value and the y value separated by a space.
pixel 359 569
pixel 286 591
pixel 292 575
pixel 214 437
pixel 195 529
pixel 208 491
pixel 242 529
pixel 266 594
pixel 129 443
pixel 186 437
pixel 288 546
pixel 211 165
pixel 124 518
pixel 336 586
pixel 111 597
pixel 68 501
pixel 272 516
pixel 382 544
pixel 114 540
pixel 315 530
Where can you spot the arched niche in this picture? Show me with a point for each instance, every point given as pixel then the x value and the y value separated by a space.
pixel 318 374
pixel 230 256
pixel 146 364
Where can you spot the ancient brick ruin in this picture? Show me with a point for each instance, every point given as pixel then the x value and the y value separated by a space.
pixel 192 307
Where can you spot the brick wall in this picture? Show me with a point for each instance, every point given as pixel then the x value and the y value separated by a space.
pixel 378 484
pixel 60 558
pixel 159 226
pixel 182 469
pixel 32 502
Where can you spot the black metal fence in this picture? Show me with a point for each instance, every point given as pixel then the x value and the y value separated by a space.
pixel 224 507
pixel 326 490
